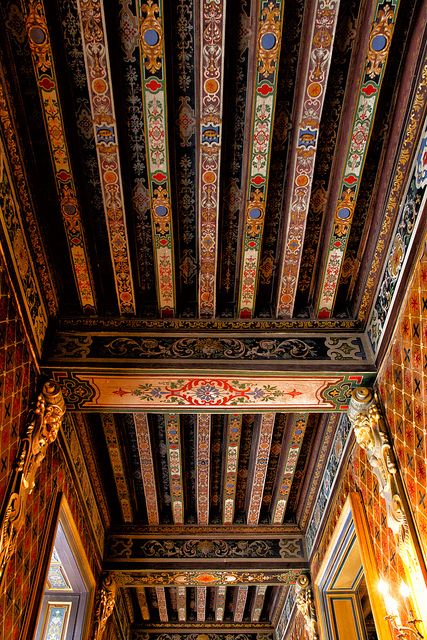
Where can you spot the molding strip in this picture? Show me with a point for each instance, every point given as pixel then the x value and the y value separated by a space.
pixel 296 427
pixel 211 47
pixel 44 69
pixel 153 80
pixel 358 142
pixel 315 77
pixel 264 99
pixel 95 49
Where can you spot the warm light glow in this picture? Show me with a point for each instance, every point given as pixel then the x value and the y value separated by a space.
pixel 383 587
pixel 404 590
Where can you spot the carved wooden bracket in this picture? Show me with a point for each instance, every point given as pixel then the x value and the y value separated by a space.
pixel 371 434
pixel 42 428
pixel 305 605
pixel 105 605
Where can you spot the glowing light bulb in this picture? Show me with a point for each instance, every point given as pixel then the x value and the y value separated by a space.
pixel 383 587
pixel 404 590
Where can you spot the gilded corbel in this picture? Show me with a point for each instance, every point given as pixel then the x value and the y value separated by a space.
pixel 371 434
pixel 42 428
pixel 305 605
pixel 105 605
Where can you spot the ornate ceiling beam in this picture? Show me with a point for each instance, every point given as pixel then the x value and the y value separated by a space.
pixel 127 551
pixel 212 577
pixel 8 128
pixel 241 595
pixel 190 531
pixel 47 83
pixel 231 467
pixel 357 148
pixel 174 454
pixel 203 439
pixel 181 602
pixel 211 627
pixel 201 593
pixel 95 49
pixel 211 84
pixel 251 391
pixel 220 595
pixel 285 351
pixel 295 429
pixel 259 464
pixel 153 72
pixel 115 455
pixel 146 462
pixel 258 603
pixel 266 71
pixel 142 601
pixel 320 25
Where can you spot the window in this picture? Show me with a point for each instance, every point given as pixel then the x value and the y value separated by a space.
pixel 69 586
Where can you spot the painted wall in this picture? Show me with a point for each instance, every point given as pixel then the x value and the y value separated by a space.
pixel 403 387
pixel 17 391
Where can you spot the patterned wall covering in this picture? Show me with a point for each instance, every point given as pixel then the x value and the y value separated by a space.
pixel 17 388
pixel 403 387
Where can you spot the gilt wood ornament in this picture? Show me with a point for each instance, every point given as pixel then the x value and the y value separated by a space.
pixel 371 434
pixel 43 426
pixel 305 605
pixel 105 605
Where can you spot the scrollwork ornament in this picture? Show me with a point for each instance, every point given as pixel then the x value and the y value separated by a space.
pixel 371 435
pixel 42 429
pixel 105 605
pixel 305 605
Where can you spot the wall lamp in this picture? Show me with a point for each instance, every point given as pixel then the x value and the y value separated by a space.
pixel 393 616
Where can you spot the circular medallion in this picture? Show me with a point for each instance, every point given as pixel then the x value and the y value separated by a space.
pixel 268 41
pixel 378 43
pixel 99 85
pixel 343 213
pixel 209 177
pixel 151 37
pixel 211 85
pixel 161 211
pixel 314 89
pixel 69 209
pixel 302 180
pixel 255 213
pixel 37 35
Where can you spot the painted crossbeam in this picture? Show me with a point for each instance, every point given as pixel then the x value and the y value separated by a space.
pixel 174 455
pixel 269 37
pixel 214 578
pixel 127 550
pixel 290 452
pixel 211 49
pixel 153 72
pixel 212 631
pixel 96 349
pixel 314 78
pixel 203 438
pixel 46 77
pixel 99 82
pixel 252 391
pixel 360 132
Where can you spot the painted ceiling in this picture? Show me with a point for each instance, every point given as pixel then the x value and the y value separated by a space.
pixel 203 185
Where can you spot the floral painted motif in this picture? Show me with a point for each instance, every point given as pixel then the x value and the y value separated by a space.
pixel 369 90
pixel 305 143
